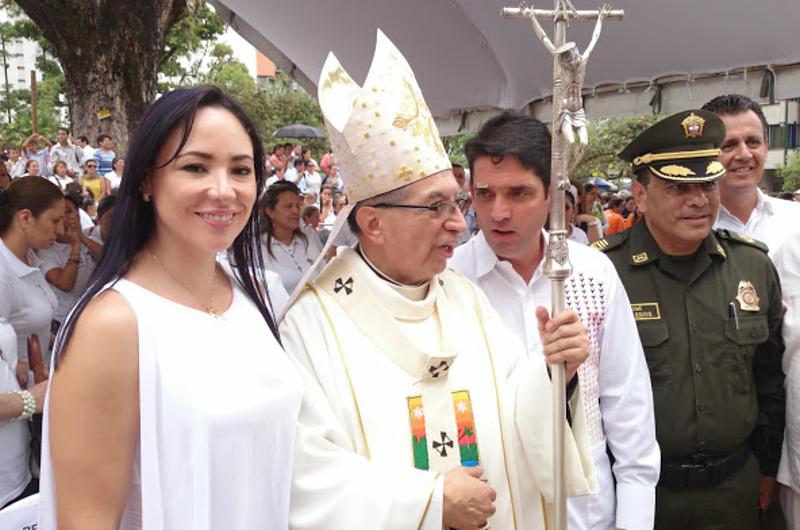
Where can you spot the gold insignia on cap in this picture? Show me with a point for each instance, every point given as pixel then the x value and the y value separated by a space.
pixel 747 297
pixel 721 251
pixel 693 126
pixel 640 257
pixel 714 167
pixel 674 170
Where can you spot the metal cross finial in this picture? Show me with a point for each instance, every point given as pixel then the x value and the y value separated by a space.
pixel 569 121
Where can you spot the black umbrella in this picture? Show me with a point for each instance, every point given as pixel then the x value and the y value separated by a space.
pixel 298 130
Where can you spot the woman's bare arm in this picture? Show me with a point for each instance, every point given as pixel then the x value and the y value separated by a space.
pixel 94 416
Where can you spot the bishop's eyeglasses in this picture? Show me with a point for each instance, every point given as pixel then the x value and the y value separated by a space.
pixel 440 209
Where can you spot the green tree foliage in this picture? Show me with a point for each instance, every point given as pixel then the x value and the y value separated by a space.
pixel 606 139
pixel 454 146
pixel 790 173
pixel 189 43
pixel 15 111
pixel 271 107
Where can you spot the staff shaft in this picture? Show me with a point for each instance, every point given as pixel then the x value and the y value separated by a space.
pixel 526 12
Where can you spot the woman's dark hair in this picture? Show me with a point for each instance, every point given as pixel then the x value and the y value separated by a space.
pixel 105 204
pixel 270 200
pixel 75 198
pixel 28 165
pixel 114 162
pixel 134 220
pixel 59 163
pixel 34 194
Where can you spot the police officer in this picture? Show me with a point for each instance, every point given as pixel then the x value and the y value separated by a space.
pixel 708 309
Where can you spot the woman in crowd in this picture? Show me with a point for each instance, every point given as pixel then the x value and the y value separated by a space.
pixel 115 175
pixel 312 178
pixel 590 217
pixel 288 249
pixel 32 169
pixel 93 182
pixel 69 262
pixel 30 218
pixel 574 233
pixel 5 177
pixel 105 214
pixel 59 176
pixel 326 207
pixel 142 439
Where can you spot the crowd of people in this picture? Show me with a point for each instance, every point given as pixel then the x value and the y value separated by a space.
pixel 242 339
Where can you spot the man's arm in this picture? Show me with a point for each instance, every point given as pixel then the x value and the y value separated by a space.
pixel 626 406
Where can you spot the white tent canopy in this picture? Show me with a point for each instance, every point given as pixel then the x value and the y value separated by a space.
pixel 469 61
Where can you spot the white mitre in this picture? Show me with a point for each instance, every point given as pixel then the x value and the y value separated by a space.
pixel 383 134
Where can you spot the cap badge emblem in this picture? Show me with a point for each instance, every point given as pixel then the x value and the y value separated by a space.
pixel 693 126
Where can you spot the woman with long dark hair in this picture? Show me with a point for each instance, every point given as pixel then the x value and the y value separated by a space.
pixel 288 249
pixel 172 404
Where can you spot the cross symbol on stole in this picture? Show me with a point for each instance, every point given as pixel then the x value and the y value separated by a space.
pixel 441 447
pixel 441 368
pixel 347 285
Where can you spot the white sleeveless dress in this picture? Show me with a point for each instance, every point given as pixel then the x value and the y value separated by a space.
pixel 219 401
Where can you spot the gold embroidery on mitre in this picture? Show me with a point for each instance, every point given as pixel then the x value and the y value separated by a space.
pixel 714 167
pixel 337 75
pixel 674 170
pixel 693 126
pixel 405 173
pixel 747 297
pixel 415 118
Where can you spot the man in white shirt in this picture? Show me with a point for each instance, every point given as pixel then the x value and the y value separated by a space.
pixel 510 168
pixel 63 150
pixel 744 207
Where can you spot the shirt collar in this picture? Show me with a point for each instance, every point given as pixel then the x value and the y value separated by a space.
pixel 487 260
pixel 19 268
pixel 644 249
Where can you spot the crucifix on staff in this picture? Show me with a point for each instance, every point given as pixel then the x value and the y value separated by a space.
pixel 568 127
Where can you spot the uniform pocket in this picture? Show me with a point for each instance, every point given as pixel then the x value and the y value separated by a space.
pixel 746 336
pixel 654 335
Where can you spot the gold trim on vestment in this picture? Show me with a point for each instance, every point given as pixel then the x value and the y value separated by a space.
pixel 346 370
pixel 476 308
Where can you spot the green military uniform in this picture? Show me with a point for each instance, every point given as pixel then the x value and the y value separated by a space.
pixel 710 325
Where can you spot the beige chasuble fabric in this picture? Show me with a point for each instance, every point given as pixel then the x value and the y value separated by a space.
pixel 403 385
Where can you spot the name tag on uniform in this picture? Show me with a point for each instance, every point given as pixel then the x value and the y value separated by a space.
pixel 646 311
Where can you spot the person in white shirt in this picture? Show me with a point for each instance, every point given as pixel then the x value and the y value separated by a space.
pixel 86 149
pixel 288 249
pixel 744 208
pixel 64 151
pixel 60 177
pixel 295 173
pixel 115 175
pixel 510 177
pixel 787 263
pixel 68 263
pixel 16 162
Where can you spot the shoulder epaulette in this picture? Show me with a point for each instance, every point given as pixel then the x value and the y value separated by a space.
pixel 730 235
pixel 612 241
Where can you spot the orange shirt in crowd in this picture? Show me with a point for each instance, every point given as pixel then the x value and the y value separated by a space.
pixel 615 222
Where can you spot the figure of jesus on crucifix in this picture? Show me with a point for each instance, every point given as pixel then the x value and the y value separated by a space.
pixel 573 68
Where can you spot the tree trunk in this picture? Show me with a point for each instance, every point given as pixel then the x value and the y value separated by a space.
pixel 110 51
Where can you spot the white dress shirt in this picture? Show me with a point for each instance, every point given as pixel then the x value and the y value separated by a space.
pixel 291 261
pixel 615 382
pixel 771 221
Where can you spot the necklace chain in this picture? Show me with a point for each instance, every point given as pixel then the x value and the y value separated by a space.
pixel 210 307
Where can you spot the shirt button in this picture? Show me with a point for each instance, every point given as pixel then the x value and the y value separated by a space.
pixel 701 406
pixel 698 368
pixel 694 327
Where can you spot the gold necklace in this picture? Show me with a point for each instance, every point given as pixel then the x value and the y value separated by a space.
pixel 210 308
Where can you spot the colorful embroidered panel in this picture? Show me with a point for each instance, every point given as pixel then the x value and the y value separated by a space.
pixel 467 436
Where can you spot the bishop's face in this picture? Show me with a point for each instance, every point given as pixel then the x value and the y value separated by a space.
pixel 418 243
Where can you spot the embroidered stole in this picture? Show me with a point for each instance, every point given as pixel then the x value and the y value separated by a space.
pixel 442 427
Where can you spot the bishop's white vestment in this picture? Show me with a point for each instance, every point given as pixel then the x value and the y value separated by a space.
pixel 406 383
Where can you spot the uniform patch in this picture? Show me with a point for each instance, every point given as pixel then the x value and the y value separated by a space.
pixel 640 257
pixel 465 422
pixel 646 311
pixel 747 296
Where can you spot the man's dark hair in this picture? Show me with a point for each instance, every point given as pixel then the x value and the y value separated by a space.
pixel 101 137
pixel 299 162
pixel 731 104
pixel 614 202
pixel 83 138
pixel 63 129
pixel 290 145
pixel 512 133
